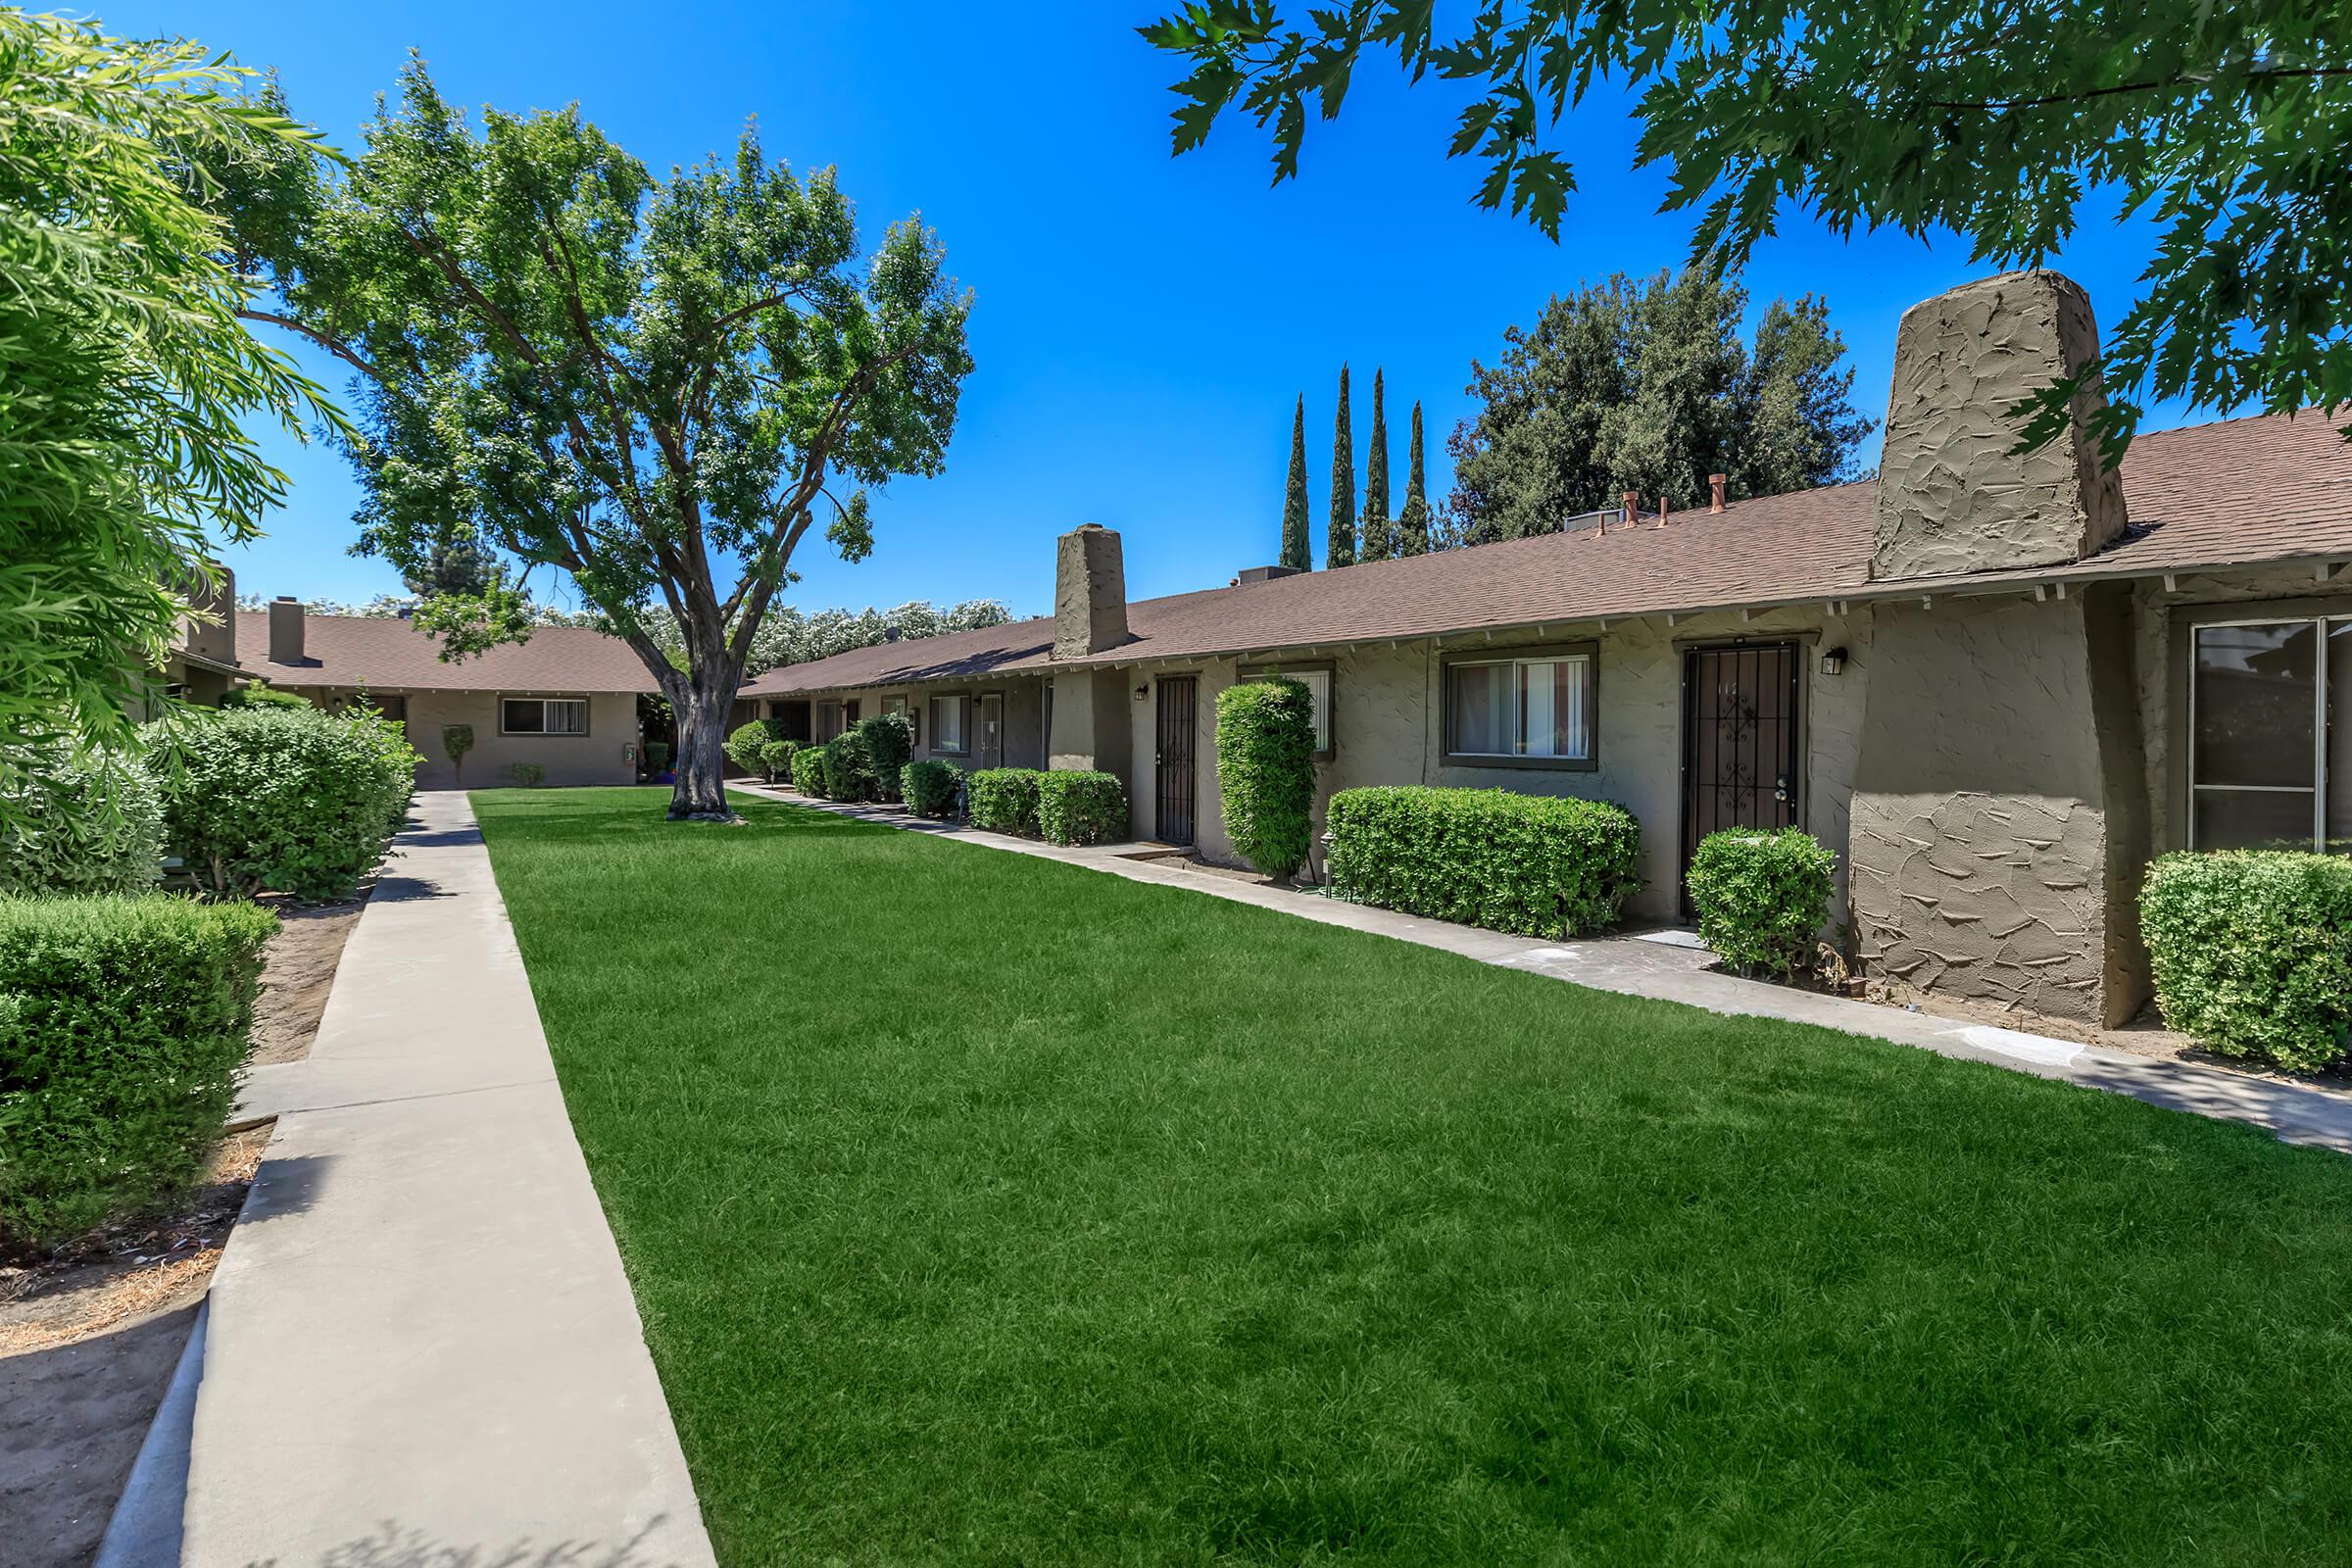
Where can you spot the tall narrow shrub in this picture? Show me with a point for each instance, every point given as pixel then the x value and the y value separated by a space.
pixel 889 741
pixel 1374 539
pixel 1412 524
pixel 1340 549
pixel 1298 551
pixel 1266 772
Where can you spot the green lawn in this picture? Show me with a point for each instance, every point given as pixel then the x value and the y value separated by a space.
pixel 984 1209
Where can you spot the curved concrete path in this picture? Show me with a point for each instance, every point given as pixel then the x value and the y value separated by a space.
pixel 1675 970
pixel 420 1347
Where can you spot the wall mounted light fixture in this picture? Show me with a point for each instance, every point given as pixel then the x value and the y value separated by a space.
pixel 1833 663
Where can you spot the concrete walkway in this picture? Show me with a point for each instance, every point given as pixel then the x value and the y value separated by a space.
pixel 1676 969
pixel 420 1347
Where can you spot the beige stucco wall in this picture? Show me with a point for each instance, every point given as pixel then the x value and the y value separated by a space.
pixel 1387 707
pixel 599 757
pixel 1024 740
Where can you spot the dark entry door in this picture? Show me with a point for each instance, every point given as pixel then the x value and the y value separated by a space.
pixel 1739 741
pixel 1174 760
pixel 992 729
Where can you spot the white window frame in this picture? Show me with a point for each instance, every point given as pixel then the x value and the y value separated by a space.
pixel 2317 789
pixel 907 709
pixel 963 726
pixel 1586 654
pixel 1326 730
pixel 544 733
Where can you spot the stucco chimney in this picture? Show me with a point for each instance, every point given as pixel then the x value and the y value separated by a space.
pixel 1089 593
pixel 285 630
pixel 1954 495
pixel 1715 487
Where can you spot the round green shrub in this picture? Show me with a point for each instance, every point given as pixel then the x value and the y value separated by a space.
pixel 775 758
pixel 889 742
pixel 931 788
pixel 1266 773
pixel 1762 896
pixel 2252 952
pixel 1004 800
pixel 84 822
pixel 287 800
pixel 849 771
pixel 744 744
pixel 808 771
pixel 527 775
pixel 1077 806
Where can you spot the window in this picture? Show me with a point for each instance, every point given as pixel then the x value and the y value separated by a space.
pixel 1527 712
pixel 912 715
pixel 2269 744
pixel 948 724
pixel 829 722
pixel 1316 678
pixel 543 716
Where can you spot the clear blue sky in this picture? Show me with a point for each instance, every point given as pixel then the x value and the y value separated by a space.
pixel 1142 324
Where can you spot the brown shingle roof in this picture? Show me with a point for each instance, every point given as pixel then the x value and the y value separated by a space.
pixel 386 653
pixel 2233 493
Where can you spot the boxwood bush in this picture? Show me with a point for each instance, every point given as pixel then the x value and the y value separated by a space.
pixel 931 788
pixel 848 773
pixel 889 742
pixel 775 758
pixel 292 799
pixel 1075 807
pixel 1266 772
pixel 2252 952
pixel 808 771
pixel 124 1022
pixel 1526 864
pixel 1762 898
pixel 1004 800
pixel 744 743
pixel 85 822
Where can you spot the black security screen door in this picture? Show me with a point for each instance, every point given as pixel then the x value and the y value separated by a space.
pixel 1740 757
pixel 1173 813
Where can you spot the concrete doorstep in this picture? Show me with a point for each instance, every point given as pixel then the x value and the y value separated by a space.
pixel 1677 971
pixel 419 1345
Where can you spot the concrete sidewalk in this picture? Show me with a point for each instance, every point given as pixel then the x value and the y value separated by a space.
pixel 420 1347
pixel 1677 971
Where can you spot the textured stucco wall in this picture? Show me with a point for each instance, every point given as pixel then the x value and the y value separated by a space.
pixel 1995 799
pixel 1953 496
pixel 1089 592
pixel 596 757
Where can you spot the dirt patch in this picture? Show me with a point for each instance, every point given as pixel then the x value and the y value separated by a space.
pixel 297 971
pixel 88 1337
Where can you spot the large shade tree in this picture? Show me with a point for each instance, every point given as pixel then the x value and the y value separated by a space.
pixel 126 377
pixel 655 386
pixel 2224 125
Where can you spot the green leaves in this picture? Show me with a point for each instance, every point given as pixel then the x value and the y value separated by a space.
pixel 2252 952
pixel 1762 896
pixel 1533 864
pixel 2224 125
pixel 1266 773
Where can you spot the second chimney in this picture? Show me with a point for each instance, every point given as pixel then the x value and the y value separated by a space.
pixel 1089 592
pixel 285 630
pixel 1715 486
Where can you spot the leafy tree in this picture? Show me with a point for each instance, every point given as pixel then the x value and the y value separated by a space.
pixel 1377 535
pixel 641 383
pixel 124 373
pixel 1339 546
pixel 1645 385
pixel 460 565
pixel 2225 123
pixel 1297 553
pixel 1412 524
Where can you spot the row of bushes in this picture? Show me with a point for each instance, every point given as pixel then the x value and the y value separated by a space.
pixel 1064 806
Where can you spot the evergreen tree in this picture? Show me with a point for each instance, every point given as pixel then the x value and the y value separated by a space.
pixel 1298 551
pixel 1378 533
pixel 1413 524
pixel 1340 549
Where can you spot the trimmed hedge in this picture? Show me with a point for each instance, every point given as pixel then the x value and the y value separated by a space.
pixel 86 822
pixel 1266 772
pixel 1004 800
pixel 849 771
pixel 1762 898
pixel 931 788
pixel 291 799
pixel 1532 864
pixel 2252 952
pixel 744 743
pixel 122 1025
pixel 1081 807
pixel 775 758
pixel 889 742
pixel 808 771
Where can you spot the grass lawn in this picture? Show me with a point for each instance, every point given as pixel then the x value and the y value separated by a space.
pixel 985 1210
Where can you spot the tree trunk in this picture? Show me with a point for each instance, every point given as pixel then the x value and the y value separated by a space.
pixel 702 701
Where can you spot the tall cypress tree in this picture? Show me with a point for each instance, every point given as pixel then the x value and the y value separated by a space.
pixel 1412 524
pixel 1298 551
pixel 1340 549
pixel 1377 537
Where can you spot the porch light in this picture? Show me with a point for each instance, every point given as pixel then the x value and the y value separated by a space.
pixel 1143 691
pixel 1833 663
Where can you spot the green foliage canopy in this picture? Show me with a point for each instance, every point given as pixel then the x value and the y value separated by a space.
pixel 1995 119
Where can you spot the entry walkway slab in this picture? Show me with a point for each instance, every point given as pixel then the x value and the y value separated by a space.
pixel 1673 972
pixel 421 1346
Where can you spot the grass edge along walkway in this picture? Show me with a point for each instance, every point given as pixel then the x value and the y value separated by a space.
pixel 980 1209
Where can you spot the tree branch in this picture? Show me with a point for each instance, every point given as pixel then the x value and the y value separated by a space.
pixel 326 340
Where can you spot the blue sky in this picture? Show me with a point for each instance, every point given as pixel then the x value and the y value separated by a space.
pixel 1142 324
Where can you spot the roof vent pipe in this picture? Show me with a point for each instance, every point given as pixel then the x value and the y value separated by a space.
pixel 1715 484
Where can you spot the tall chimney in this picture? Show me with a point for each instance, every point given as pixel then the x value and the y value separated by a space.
pixel 1089 592
pixel 1954 495
pixel 285 630
pixel 1715 485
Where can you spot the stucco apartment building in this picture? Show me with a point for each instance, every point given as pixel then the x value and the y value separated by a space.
pixel 565 702
pixel 1994 683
